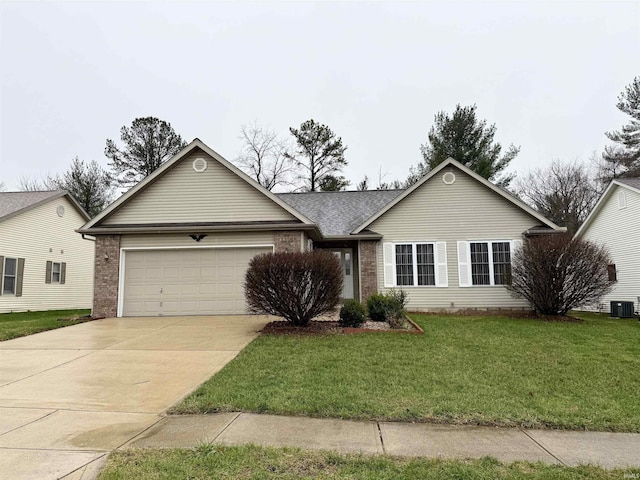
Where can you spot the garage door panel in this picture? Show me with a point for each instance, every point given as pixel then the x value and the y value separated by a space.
pixel 193 273
pixel 207 290
pixel 152 273
pixel 186 282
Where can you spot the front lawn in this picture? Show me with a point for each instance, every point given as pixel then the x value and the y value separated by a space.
pixel 14 325
pixel 485 370
pixel 251 462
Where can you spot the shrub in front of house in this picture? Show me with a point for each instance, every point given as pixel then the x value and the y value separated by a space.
pixel 296 286
pixel 389 307
pixel 377 307
pixel 352 314
pixel 557 273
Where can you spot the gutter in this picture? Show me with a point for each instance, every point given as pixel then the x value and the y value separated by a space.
pixel 117 230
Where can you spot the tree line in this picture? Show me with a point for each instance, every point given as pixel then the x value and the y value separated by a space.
pixel 313 159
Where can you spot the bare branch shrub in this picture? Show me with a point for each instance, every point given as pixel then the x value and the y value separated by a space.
pixel 556 273
pixel 296 286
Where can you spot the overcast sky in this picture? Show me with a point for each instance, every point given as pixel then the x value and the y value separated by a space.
pixel 546 73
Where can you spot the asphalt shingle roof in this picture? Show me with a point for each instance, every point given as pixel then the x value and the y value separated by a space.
pixel 632 182
pixel 339 213
pixel 12 202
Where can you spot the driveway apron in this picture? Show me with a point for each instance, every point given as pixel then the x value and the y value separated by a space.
pixel 69 396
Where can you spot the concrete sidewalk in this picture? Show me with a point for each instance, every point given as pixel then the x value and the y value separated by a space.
pixel 608 450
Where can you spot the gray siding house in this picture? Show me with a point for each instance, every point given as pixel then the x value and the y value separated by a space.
pixel 44 263
pixel 179 242
pixel 615 223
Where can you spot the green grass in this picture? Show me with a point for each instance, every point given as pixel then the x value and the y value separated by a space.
pixel 252 462
pixel 480 370
pixel 13 325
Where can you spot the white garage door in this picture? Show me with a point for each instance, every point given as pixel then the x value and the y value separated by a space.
pixel 186 282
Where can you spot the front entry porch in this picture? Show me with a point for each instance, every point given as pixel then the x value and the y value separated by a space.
pixel 347 254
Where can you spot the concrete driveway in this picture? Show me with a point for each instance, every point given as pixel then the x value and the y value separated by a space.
pixel 69 396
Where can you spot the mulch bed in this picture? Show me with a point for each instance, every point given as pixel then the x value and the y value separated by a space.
pixel 282 327
pixel 328 327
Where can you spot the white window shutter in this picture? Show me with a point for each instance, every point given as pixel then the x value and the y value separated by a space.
pixel 464 264
pixel 442 276
pixel 388 252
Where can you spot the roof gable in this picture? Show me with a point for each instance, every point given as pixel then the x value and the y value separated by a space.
pixel 15 203
pixel 628 184
pixel 450 161
pixel 186 190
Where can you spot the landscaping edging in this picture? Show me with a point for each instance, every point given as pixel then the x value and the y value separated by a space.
pixel 417 330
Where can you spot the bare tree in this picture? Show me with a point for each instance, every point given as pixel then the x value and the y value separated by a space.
pixel 363 185
pixel 33 184
pixel 3 187
pixel 564 192
pixel 557 273
pixel 263 157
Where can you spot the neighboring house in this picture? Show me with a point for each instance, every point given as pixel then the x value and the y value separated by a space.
pixel 615 223
pixel 44 263
pixel 180 241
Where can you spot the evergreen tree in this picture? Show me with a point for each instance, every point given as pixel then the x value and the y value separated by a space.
pixel 319 154
pixel 88 183
pixel 470 141
pixel 623 159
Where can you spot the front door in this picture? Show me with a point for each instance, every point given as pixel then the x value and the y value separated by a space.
pixel 345 256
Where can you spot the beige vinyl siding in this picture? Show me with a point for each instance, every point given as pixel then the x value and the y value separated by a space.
pixel 40 235
pixel 184 195
pixel 619 230
pixel 183 240
pixel 437 212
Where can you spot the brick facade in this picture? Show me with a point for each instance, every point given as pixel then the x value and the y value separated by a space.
pixel 368 268
pixel 289 241
pixel 106 270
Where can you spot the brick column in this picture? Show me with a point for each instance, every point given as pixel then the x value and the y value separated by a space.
pixel 106 276
pixel 368 268
pixel 288 241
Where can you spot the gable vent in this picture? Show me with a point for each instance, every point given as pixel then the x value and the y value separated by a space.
pixel 449 178
pixel 200 165
pixel 622 200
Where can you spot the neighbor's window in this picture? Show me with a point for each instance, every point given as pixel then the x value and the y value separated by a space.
pixel 490 263
pixel 55 272
pixel 415 264
pixel 611 271
pixel 9 277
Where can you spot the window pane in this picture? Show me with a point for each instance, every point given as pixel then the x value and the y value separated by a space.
pixel 480 263
pixel 55 273
pixel 404 264
pixel 10 266
pixel 9 285
pixel 426 264
pixel 501 263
